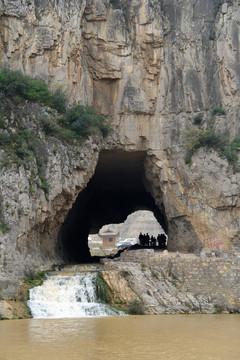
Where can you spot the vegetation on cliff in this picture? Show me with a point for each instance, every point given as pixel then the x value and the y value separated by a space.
pixel 34 278
pixel 71 125
pixel 3 225
pixel 135 308
pixel 18 87
pixel 28 109
pixel 103 290
pixel 196 138
pixel 79 121
pixel 116 4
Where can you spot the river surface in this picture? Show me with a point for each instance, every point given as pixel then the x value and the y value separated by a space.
pixel 163 337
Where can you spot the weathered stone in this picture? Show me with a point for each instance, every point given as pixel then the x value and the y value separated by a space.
pixel 149 68
pixel 179 286
pixel 119 286
pixel 13 310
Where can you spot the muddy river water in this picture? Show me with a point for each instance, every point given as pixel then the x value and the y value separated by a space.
pixel 168 337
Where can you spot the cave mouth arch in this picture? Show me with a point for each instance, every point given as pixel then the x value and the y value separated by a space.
pixel 116 190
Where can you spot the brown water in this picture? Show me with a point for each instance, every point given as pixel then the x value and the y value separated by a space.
pixel 211 337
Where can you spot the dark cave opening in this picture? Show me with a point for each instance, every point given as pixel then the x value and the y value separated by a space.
pixel 115 191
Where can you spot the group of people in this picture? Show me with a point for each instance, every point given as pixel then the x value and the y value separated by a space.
pixel 146 240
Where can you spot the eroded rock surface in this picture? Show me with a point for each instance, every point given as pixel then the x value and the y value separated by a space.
pixel 33 216
pixel 149 67
pixel 175 284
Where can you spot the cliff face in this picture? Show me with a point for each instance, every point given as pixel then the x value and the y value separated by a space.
pixel 33 217
pixel 149 67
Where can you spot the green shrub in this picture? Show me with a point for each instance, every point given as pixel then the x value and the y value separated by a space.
pixel 22 153
pixel 4 138
pixel 44 184
pixel 30 274
pixel 2 123
pixel 34 278
pixel 116 4
pixel 49 126
pixel 15 85
pixel 31 190
pixel 67 135
pixel 16 143
pixel 210 139
pixel 218 111
pixel 212 35
pixel 78 123
pixel 77 111
pixel 81 126
pixel 192 139
pixel 195 138
pixel 198 119
pixel 59 101
pixel 230 151
pixel 135 308
pixel 3 226
pixel 20 212
pixel 188 160
pixel 72 126
pixel 80 119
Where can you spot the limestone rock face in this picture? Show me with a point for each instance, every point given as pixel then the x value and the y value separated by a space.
pixel 13 310
pixel 34 217
pixel 149 67
pixel 119 287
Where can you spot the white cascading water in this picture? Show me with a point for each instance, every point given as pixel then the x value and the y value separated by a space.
pixel 68 297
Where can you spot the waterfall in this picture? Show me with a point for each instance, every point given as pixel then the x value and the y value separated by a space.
pixel 68 296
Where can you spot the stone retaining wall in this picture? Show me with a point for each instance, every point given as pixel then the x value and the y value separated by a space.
pixel 213 282
pixel 219 279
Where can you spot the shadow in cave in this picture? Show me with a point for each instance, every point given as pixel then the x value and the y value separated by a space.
pixel 115 191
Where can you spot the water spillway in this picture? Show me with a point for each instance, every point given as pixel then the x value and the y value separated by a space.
pixel 66 295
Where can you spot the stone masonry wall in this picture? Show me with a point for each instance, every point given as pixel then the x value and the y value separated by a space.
pixel 219 279
pixel 181 284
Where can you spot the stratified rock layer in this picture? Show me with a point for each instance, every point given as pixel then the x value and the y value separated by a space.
pixel 149 67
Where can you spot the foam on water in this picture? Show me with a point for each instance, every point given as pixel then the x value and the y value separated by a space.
pixel 68 297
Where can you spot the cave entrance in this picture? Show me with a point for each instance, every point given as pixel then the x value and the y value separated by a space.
pixel 116 190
